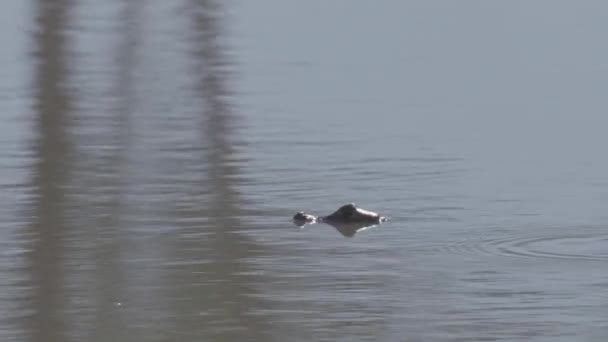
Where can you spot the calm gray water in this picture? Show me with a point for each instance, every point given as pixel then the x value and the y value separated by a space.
pixel 153 152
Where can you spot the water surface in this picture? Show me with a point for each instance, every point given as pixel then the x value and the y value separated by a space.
pixel 152 154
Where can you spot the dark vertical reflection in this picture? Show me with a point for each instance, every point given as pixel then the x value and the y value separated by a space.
pixel 51 170
pixel 109 256
pixel 220 301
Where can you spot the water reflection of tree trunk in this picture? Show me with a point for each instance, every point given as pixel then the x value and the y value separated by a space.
pixel 224 307
pixel 110 232
pixel 51 152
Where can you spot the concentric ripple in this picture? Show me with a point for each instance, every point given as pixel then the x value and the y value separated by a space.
pixel 565 246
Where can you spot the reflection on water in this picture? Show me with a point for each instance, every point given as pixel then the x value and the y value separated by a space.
pixel 347 229
pixel 153 160
pixel 52 151
pixel 115 251
pixel 216 295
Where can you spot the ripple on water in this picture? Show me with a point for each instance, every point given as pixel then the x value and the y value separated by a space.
pixel 571 246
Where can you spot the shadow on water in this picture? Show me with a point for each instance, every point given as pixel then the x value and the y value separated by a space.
pixel 51 152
